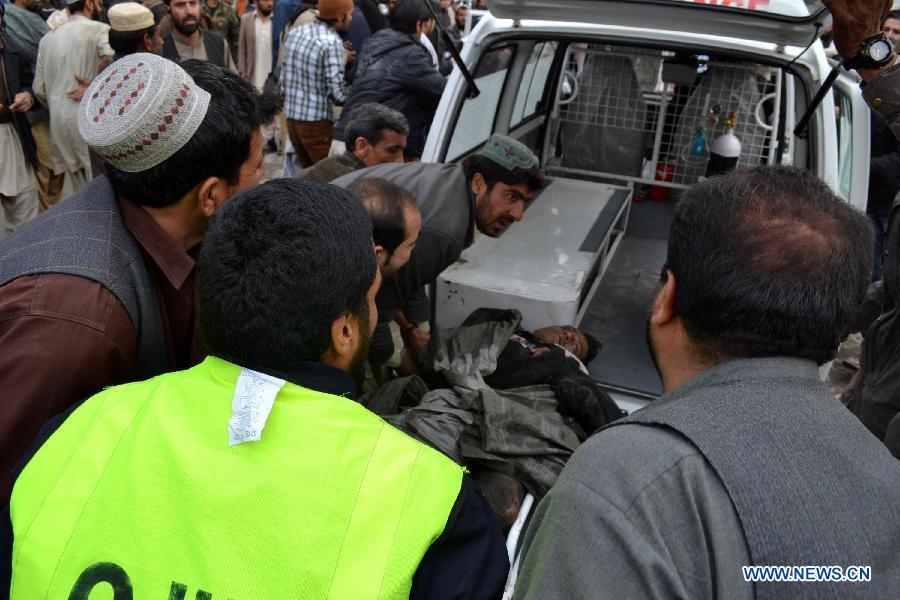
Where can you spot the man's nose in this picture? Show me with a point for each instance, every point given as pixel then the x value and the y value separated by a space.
pixel 518 211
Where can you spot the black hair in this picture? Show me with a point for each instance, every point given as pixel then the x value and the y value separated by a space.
pixel 593 346
pixel 407 13
pixel 767 262
pixel 494 173
pixel 75 7
pixel 279 263
pixel 370 120
pixel 894 14
pixel 127 42
pixel 217 149
pixel 386 203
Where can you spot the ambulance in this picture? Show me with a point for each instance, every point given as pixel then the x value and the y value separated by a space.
pixel 627 103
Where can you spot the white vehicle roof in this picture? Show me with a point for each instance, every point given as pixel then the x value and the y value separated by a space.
pixel 783 22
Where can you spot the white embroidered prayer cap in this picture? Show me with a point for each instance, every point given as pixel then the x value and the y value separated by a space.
pixel 140 111
pixel 129 16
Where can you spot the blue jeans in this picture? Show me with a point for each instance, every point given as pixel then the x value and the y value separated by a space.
pixel 880 224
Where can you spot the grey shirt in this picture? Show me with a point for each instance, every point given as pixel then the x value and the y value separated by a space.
pixel 638 512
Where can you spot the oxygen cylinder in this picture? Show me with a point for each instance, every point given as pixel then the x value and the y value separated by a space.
pixel 725 150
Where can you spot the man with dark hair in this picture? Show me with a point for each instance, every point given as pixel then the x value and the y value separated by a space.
pixel 891 26
pixel 874 394
pixel 377 135
pixel 286 299
pixel 488 191
pixel 395 69
pixel 99 291
pixel 884 167
pixel 188 40
pixel 747 454
pixel 396 221
pixel 458 29
pixel 313 79
pixel 69 57
pixel 133 28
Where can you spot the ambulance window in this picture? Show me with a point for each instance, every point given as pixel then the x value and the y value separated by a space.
pixel 844 118
pixel 534 80
pixel 476 119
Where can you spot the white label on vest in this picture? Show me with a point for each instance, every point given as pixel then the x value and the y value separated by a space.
pixel 253 399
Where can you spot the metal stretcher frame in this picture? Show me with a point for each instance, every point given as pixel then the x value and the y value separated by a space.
pixel 514 546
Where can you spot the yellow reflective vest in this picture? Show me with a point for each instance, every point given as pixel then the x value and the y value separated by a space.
pixel 138 494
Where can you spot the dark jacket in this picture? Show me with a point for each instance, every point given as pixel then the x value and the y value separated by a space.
pixel 19 77
pixel 875 398
pixel 396 70
pixel 884 168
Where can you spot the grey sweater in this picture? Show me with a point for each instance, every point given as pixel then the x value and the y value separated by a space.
pixel 637 513
pixel 752 462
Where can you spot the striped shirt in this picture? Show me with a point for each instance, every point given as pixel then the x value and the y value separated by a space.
pixel 313 73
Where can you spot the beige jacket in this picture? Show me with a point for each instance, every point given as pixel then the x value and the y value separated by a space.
pixel 247 46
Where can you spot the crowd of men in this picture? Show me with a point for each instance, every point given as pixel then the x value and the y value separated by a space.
pixel 316 55
pixel 172 301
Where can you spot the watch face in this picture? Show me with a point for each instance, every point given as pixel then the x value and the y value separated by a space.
pixel 879 50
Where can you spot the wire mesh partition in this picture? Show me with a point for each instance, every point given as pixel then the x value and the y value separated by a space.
pixel 644 115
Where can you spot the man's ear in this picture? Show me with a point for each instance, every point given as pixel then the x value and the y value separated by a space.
pixel 478 184
pixel 146 43
pixel 361 147
pixel 340 352
pixel 212 193
pixel 663 310
pixel 382 256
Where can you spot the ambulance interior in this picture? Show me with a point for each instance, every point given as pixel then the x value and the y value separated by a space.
pixel 621 130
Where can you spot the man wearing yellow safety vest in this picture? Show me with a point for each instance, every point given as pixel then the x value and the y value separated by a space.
pixel 255 475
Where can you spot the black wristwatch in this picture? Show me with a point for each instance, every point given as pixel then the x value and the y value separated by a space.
pixel 876 52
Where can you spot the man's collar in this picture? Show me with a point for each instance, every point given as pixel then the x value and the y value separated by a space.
pixel 746 369
pixel 310 375
pixel 170 257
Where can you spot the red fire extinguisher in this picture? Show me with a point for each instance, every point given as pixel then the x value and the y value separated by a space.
pixel 664 172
